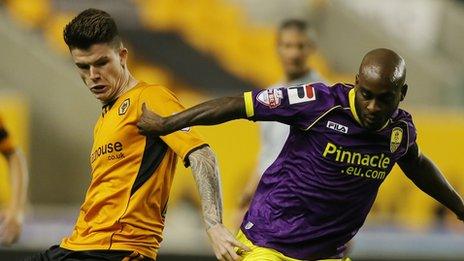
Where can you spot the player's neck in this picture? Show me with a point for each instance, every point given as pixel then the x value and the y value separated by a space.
pixel 131 83
pixel 290 77
pixel 128 83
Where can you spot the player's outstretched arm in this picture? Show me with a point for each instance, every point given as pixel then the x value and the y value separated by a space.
pixel 426 176
pixel 11 219
pixel 206 174
pixel 208 113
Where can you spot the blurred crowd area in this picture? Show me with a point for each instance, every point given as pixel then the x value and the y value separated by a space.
pixel 207 48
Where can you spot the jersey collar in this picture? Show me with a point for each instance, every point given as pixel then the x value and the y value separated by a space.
pixel 108 107
pixel 351 96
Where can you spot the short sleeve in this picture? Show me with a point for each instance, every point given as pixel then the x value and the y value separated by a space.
pixel 6 146
pixel 297 105
pixel 163 102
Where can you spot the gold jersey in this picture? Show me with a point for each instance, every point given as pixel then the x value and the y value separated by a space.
pixel 131 175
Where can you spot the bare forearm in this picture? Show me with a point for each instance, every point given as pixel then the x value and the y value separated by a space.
pixel 19 181
pixel 206 174
pixel 208 113
pixel 429 179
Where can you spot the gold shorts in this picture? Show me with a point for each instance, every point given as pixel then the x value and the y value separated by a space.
pixel 266 254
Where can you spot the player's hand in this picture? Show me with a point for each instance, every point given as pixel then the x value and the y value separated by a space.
pixel 150 123
pixel 224 243
pixel 10 228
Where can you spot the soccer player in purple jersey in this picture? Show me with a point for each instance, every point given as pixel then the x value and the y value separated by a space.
pixel 343 142
pixel 295 44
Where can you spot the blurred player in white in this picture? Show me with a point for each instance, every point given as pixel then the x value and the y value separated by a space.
pixel 295 44
pixel 11 215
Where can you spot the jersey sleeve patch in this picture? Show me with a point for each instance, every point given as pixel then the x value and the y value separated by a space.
pixel 271 98
pixel 300 94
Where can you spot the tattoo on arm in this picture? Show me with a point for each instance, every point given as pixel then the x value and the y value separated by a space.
pixel 206 174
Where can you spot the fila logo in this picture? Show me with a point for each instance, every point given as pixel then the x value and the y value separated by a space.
pixel 301 94
pixel 124 106
pixel 337 127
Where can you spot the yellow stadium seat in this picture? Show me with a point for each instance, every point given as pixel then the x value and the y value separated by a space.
pixel 53 31
pixel 160 15
pixel 220 28
pixel 29 13
pixel 151 74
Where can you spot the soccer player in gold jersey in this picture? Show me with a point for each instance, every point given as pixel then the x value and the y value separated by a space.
pixel 11 215
pixel 122 217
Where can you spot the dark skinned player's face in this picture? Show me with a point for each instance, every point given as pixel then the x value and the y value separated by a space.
pixel 376 100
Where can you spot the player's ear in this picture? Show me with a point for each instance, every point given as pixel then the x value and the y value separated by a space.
pixel 404 90
pixel 356 81
pixel 123 56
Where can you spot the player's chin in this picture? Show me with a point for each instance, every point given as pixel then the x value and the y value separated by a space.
pixel 102 97
pixel 374 125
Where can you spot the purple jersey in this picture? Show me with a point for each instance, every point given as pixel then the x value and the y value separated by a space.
pixel 316 195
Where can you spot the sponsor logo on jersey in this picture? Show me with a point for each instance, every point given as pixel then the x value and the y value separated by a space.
pixel 113 149
pixel 365 165
pixel 396 138
pixel 270 97
pixel 124 106
pixel 337 127
pixel 301 94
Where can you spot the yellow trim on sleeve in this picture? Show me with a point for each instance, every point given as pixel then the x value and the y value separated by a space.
pixel 248 97
pixel 351 96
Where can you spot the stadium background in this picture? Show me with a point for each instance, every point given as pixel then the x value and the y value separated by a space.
pixel 206 48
